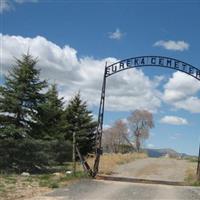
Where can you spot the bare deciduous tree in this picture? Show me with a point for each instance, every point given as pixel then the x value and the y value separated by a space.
pixel 140 122
pixel 115 136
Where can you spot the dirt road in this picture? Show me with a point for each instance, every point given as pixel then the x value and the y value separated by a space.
pixel 166 169
pixel 107 190
pixel 147 168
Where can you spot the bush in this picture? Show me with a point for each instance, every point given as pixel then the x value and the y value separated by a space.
pixel 61 151
pixel 32 155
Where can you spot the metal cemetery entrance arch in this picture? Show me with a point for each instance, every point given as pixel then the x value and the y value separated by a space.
pixel 142 61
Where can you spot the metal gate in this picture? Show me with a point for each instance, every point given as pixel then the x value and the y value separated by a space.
pixel 136 62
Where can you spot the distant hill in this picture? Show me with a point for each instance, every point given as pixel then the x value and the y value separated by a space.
pixel 155 153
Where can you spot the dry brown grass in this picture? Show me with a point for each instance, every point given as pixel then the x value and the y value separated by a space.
pixel 14 187
pixel 191 176
pixel 109 162
pixel 17 187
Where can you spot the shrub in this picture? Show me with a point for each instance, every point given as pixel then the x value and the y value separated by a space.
pixel 30 155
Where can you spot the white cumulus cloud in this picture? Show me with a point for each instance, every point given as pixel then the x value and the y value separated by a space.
pixel 172 45
pixel 128 90
pixel 116 35
pixel 180 92
pixel 174 120
pixel 191 104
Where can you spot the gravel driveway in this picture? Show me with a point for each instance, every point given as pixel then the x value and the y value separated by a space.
pixel 160 169
pixel 107 190
pixel 166 169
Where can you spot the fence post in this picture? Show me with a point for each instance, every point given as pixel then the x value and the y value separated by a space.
pixel 198 166
pixel 74 153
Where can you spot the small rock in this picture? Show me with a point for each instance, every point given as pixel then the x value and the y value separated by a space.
pixel 57 174
pixel 68 172
pixel 25 174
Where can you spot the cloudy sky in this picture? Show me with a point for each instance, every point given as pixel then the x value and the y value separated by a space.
pixel 74 39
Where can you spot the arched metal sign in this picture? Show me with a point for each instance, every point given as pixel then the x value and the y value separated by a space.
pixel 156 61
pixel 135 62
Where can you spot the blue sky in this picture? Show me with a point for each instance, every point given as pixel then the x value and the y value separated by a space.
pixel 74 39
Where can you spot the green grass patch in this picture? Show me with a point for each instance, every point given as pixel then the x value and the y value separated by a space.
pixel 10 181
pixel 196 183
pixel 54 185
pixel 45 176
pixel 2 186
pixel 53 181
pixel 2 190
pixel 29 179
pixel 44 183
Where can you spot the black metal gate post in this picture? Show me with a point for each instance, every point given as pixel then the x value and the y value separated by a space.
pixel 100 126
pixel 198 166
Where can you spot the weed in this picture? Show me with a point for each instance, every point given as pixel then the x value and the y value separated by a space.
pixel 191 177
pixel 45 176
pixel 44 183
pixel 53 185
pixel 29 179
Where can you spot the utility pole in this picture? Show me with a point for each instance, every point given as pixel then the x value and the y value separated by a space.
pixel 198 166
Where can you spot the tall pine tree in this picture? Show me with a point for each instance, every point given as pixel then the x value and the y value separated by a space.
pixel 79 120
pixel 19 98
pixel 49 116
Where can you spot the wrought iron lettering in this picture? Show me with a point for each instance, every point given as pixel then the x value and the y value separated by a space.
pixel 169 63
pixel 121 65
pixel 191 70
pixel 176 65
pixel 157 61
pixel 128 62
pixel 153 61
pixel 114 68
pixel 184 66
pixel 136 61
pixel 161 61
pixel 198 74
pixel 107 71
pixel 142 61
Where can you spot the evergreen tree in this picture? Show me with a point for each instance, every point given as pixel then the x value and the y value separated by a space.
pixel 19 98
pixel 80 121
pixel 49 116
